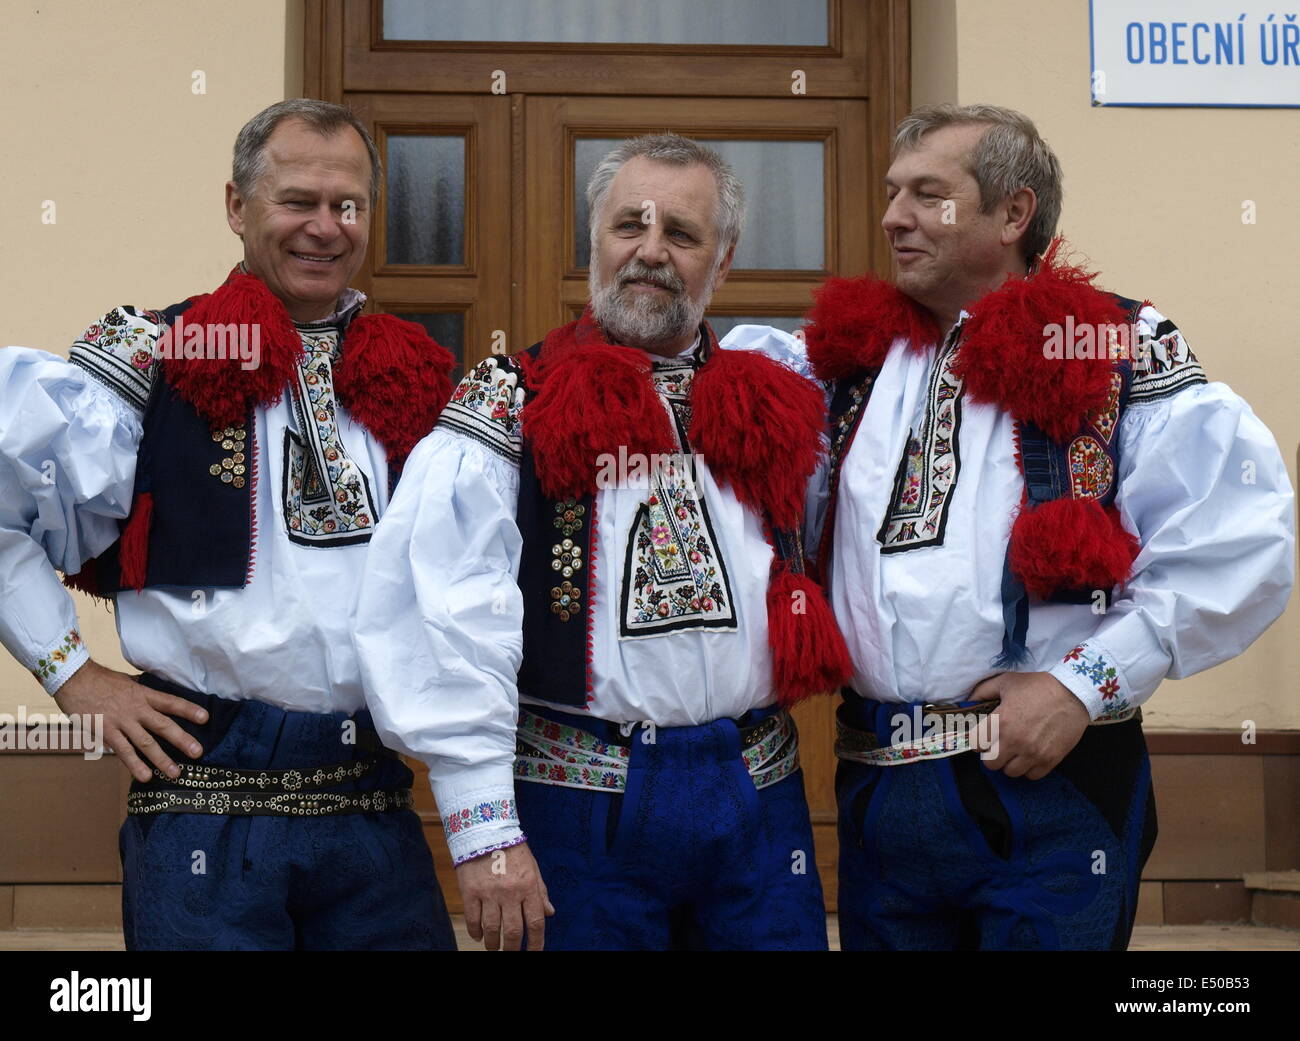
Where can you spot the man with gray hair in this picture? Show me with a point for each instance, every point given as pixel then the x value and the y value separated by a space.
pixel 1038 509
pixel 218 468
pixel 595 562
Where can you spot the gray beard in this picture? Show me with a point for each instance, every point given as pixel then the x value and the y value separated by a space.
pixel 645 322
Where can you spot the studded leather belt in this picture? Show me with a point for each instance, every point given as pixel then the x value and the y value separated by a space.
pixel 223 790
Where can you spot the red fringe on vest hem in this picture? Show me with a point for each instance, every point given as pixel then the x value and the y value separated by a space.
pixel 809 655
pixel 134 549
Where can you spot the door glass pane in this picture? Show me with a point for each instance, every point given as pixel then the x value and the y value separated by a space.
pixel 784 191
pixel 724 323
pixel 741 23
pixel 426 199
pixel 448 328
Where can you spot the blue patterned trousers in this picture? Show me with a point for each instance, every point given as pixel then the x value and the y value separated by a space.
pixel 691 856
pixel 355 881
pixel 946 854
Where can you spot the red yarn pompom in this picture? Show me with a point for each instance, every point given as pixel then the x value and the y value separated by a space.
pixel 1071 544
pixel 223 390
pixel 1003 356
pixel 591 400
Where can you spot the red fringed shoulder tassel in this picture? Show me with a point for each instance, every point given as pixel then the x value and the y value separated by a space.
pixel 854 321
pixel 221 390
pixel 134 548
pixel 394 379
pixel 591 400
pixel 758 425
pixel 1003 361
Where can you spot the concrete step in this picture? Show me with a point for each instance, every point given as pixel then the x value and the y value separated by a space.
pixel 1274 898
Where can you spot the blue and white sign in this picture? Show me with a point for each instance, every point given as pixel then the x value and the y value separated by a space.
pixel 1196 52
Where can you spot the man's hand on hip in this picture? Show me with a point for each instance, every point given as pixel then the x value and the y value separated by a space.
pixel 132 714
pixel 503 892
pixel 1039 721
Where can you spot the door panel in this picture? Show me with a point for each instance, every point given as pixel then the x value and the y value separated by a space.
pixel 440 239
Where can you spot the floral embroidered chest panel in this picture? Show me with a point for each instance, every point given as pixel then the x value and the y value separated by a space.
pixel 327 498
pixel 674 576
pixel 927 472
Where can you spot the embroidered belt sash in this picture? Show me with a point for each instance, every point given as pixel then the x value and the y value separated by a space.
pixel 568 757
pixel 947 730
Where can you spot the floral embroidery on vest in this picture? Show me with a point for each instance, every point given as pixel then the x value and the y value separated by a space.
pixel 674 578
pixel 1091 471
pixel 327 498
pixel 927 473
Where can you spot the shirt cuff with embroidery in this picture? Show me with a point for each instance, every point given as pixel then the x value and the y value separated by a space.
pixel 480 818
pixel 1092 675
pixel 59 661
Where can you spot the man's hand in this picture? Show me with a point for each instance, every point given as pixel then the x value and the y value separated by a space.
pixel 132 713
pixel 502 892
pixel 1039 721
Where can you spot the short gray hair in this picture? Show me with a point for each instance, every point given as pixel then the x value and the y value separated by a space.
pixel 1010 156
pixel 324 117
pixel 674 150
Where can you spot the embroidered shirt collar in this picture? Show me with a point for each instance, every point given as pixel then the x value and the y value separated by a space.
pixel 685 357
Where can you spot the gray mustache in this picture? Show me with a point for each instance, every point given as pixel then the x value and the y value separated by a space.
pixel 639 272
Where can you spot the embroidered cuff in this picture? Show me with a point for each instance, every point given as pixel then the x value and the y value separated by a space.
pixel 56 663
pixel 1092 675
pixel 479 820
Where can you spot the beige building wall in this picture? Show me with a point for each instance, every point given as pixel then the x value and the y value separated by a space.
pixel 1154 197
pixel 101 114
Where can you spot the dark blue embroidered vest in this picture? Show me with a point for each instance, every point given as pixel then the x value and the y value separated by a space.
pixel 201 482
pixel 555 579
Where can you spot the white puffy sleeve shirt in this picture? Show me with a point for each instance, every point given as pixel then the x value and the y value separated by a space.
pixel 1200 482
pixel 69 434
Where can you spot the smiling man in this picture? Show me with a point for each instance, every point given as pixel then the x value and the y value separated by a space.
pixel 592 575
pixel 224 499
pixel 1023 541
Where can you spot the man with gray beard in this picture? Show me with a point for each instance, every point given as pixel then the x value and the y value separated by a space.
pixel 594 562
